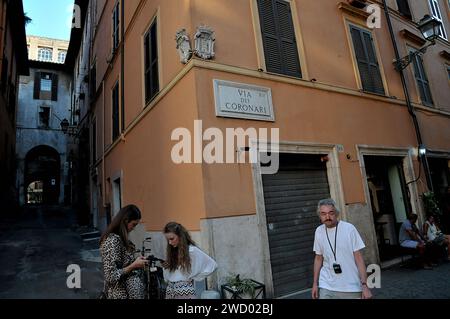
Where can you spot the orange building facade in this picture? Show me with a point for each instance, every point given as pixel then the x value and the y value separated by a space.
pixel 318 73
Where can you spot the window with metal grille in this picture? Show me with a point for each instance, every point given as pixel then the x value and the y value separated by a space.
pixel 436 13
pixel 422 80
pixel 151 63
pixel 45 54
pixel 115 112
pixel 367 61
pixel 278 37
pixel 404 9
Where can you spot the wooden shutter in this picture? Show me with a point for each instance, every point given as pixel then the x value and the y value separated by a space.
pixel 366 58
pixel 54 78
pixel 277 29
pixel 37 85
pixel 422 81
pixel 403 8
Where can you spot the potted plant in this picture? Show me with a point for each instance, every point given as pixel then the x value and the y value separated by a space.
pixel 242 288
pixel 431 204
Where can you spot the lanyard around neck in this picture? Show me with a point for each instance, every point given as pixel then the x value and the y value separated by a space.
pixel 335 238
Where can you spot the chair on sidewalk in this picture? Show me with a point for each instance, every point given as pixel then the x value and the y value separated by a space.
pixel 410 257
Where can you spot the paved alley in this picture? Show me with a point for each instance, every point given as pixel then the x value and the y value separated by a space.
pixel 36 246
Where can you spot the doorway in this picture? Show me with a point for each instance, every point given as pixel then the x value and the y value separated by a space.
pixel 440 176
pixel 389 200
pixel 42 176
pixel 290 197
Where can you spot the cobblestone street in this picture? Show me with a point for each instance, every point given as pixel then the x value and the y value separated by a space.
pixel 36 247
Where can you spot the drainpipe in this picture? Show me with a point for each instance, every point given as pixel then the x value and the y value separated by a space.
pixel 122 64
pixel 408 100
pixel 103 147
pixel 3 30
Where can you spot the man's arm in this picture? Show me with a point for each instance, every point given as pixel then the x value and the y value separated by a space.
pixel 318 262
pixel 425 231
pixel 412 234
pixel 366 294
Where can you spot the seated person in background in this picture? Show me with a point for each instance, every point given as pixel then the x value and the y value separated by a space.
pixel 410 237
pixel 434 235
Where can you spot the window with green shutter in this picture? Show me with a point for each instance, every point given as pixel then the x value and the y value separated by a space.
pixel 369 69
pixel 422 80
pixel 278 35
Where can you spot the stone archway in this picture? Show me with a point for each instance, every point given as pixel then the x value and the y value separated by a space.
pixel 42 175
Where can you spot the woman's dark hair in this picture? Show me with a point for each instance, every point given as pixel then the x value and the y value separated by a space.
pixel 119 224
pixel 179 256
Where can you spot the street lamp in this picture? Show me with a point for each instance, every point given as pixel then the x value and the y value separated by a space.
pixel 64 125
pixel 429 27
pixel 67 128
pixel 422 150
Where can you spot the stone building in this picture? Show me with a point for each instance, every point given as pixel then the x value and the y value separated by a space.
pixel 46 49
pixel 13 63
pixel 43 164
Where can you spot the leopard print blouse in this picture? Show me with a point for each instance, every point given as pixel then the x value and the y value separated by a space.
pixel 115 258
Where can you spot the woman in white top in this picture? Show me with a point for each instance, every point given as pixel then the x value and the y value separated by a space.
pixel 184 263
pixel 433 234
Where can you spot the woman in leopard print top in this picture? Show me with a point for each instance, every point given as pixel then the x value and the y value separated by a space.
pixel 122 272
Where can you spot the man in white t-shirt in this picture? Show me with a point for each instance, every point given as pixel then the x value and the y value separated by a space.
pixel 339 268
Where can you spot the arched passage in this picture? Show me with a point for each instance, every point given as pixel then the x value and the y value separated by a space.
pixel 42 175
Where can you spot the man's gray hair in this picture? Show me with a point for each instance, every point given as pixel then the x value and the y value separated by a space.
pixel 327 202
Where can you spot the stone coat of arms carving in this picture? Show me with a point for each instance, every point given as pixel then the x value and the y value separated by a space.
pixel 183 46
pixel 204 42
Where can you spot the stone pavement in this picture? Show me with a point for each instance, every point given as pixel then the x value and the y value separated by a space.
pixel 398 282
pixel 405 283
pixel 36 246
